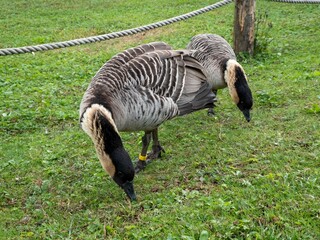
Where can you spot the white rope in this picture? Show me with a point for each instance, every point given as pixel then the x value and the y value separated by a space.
pixel 51 46
pixel 298 1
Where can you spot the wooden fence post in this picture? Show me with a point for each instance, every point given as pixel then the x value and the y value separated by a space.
pixel 244 21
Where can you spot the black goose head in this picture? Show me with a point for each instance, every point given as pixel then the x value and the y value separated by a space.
pixel 238 87
pixel 124 171
pixel 98 123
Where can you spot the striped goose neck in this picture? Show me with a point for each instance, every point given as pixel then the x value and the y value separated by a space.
pixel 233 75
pixel 98 123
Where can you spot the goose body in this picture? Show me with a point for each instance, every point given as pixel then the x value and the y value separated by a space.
pixel 137 90
pixel 221 68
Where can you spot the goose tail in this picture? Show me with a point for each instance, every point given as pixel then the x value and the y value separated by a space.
pixel 197 93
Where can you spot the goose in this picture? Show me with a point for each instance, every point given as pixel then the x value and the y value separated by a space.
pixel 138 90
pixel 222 70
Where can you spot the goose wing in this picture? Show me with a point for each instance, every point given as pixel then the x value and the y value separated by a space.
pixel 150 88
pixel 211 46
pixel 131 53
pixel 110 77
pixel 167 83
pixel 197 93
pixel 212 51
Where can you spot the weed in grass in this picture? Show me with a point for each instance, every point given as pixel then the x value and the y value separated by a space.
pixel 263 36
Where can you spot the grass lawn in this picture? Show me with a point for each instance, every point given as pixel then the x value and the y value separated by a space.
pixel 220 178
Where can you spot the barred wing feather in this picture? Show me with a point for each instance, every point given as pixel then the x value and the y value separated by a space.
pixel 147 85
pixel 212 51
pixel 131 53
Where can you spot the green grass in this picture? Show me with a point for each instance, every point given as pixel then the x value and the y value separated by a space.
pixel 235 180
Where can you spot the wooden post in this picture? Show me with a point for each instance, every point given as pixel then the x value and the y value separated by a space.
pixel 244 20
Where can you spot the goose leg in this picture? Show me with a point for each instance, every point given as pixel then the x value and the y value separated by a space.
pixel 210 110
pixel 156 147
pixel 145 158
pixel 142 162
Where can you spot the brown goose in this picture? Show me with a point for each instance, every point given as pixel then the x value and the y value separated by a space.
pixel 137 90
pixel 222 70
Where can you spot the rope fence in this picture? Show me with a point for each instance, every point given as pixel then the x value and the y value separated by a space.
pixel 298 1
pixel 108 36
pixel 76 42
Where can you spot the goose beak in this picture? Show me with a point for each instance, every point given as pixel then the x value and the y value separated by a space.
pixel 129 190
pixel 246 113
